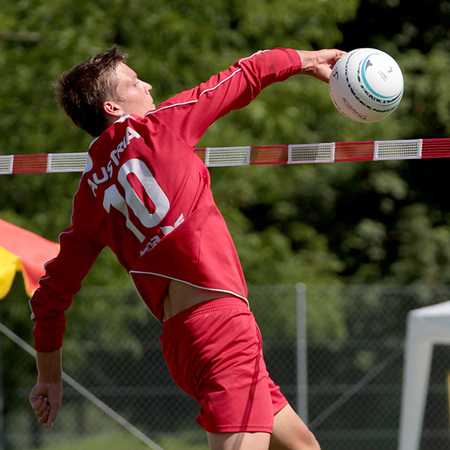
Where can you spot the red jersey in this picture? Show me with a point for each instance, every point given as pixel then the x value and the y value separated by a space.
pixel 146 195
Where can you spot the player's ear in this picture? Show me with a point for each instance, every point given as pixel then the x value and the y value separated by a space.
pixel 112 108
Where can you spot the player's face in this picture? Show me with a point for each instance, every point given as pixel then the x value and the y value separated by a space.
pixel 134 93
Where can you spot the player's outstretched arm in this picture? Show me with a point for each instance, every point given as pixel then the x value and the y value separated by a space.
pixel 46 396
pixel 319 64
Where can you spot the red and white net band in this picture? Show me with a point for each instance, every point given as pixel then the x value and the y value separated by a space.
pixel 242 156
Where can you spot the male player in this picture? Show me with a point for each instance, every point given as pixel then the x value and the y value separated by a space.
pixel 147 196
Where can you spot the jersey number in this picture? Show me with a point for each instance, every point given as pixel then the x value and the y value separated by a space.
pixel 152 189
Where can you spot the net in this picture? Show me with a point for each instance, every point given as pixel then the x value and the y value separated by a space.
pixel 253 155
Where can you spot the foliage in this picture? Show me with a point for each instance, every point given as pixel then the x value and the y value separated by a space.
pixel 174 45
pixel 332 224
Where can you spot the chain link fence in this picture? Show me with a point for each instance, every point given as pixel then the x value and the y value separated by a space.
pixel 354 376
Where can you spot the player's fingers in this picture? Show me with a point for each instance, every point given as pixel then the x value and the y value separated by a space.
pixel 329 56
pixel 52 416
pixel 51 419
pixel 43 407
pixel 43 417
pixel 36 401
pixel 337 55
pixel 325 61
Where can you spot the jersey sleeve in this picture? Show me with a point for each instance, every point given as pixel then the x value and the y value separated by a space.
pixel 190 113
pixel 60 283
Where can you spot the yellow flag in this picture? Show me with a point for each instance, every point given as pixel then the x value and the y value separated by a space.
pixel 9 265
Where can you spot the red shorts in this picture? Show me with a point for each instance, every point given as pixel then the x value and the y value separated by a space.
pixel 214 353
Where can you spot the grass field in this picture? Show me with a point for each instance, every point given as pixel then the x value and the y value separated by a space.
pixel 121 441
pixel 99 432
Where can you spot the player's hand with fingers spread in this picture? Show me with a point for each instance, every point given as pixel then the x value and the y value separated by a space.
pixel 319 64
pixel 46 396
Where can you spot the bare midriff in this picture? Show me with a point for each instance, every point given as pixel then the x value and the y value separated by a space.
pixel 181 296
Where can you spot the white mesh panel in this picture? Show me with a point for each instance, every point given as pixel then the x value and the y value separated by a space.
pixel 311 153
pixel 6 164
pixel 66 162
pixel 406 149
pixel 227 156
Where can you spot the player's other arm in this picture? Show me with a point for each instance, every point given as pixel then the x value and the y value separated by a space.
pixel 62 280
pixel 49 303
pixel 319 64
pixel 45 398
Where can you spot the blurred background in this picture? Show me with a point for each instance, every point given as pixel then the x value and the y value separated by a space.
pixel 369 240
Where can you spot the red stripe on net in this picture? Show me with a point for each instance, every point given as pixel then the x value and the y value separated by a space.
pixel 269 154
pixel 30 164
pixel 354 151
pixel 436 148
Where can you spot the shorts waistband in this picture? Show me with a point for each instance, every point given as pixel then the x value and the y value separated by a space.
pixel 204 307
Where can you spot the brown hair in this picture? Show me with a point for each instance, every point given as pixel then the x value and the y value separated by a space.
pixel 82 91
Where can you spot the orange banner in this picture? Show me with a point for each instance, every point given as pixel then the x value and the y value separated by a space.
pixel 23 251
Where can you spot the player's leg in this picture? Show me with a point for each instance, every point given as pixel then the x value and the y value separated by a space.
pixel 214 353
pixel 238 441
pixel 291 433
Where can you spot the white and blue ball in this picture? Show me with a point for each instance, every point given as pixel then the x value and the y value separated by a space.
pixel 366 85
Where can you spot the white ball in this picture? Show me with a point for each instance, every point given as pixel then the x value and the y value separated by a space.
pixel 366 85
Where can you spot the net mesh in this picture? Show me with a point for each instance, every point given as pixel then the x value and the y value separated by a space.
pixel 6 164
pixel 311 153
pixel 252 155
pixel 411 149
pixel 69 162
pixel 227 156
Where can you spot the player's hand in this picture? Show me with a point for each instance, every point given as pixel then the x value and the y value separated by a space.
pixel 319 64
pixel 45 398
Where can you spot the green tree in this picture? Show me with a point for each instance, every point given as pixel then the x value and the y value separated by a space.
pixel 330 223
pixel 174 45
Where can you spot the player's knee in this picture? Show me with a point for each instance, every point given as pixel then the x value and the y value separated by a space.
pixel 291 433
pixel 313 444
pixel 306 440
pixel 308 443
